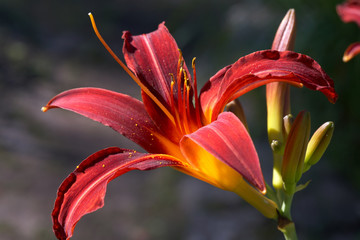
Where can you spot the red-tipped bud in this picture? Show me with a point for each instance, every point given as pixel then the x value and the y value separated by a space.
pixel 285 35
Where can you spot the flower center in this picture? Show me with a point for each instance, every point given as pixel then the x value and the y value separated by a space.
pixel 187 116
pixel 182 113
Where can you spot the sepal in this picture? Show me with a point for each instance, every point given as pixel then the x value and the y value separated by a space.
pixel 302 186
pixel 83 191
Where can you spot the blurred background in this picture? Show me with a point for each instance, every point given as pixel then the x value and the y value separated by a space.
pixel 49 46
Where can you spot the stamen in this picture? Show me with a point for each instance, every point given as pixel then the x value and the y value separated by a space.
pixel 179 94
pixel 131 74
pixel 197 102
pixel 173 109
pixel 185 104
pixel 188 105
pixel 180 61
pixel 184 93
pixel 172 100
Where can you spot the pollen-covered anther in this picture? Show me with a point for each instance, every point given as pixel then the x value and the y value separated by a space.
pixel 185 103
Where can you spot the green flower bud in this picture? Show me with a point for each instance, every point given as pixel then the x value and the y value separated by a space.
pixel 318 144
pixel 288 121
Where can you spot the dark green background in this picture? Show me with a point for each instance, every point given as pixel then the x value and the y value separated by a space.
pixel 49 46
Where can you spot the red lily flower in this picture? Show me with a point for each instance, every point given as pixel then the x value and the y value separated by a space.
pixel 349 11
pixel 194 138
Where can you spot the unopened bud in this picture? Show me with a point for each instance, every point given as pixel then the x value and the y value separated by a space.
pixel 295 148
pixel 318 144
pixel 285 35
pixel 275 145
pixel 288 121
pixel 236 108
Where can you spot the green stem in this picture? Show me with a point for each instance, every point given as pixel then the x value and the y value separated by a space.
pixel 289 231
pixel 289 191
pixel 286 206
pixel 285 223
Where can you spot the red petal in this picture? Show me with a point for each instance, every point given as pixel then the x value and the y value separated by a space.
pixel 123 113
pixel 351 51
pixel 349 11
pixel 153 57
pixel 159 118
pixel 83 191
pixel 228 140
pixel 257 69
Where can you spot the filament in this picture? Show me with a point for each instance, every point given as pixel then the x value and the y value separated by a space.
pixel 185 105
pixel 197 102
